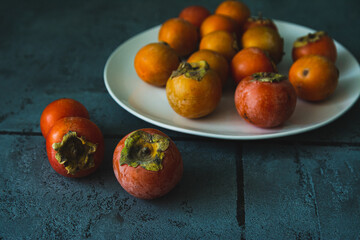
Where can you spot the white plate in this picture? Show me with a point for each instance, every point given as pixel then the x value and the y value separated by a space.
pixel 150 103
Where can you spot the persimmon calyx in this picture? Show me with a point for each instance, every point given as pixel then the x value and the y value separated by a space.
pixel 75 153
pixel 269 77
pixel 310 38
pixel 144 149
pixel 195 70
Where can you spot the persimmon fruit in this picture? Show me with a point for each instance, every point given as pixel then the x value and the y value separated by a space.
pixel 265 100
pixel 257 21
pixel 194 90
pixel 314 77
pixel 236 10
pixel 60 108
pixel 221 42
pixel 318 43
pixel 249 61
pixel 155 62
pixel 147 163
pixel 218 22
pixel 265 38
pixel 216 61
pixel 180 34
pixel 75 147
pixel 195 14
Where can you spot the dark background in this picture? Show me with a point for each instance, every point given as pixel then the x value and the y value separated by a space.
pixel 304 186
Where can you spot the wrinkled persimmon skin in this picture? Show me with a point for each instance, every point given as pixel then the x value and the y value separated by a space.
pixel 218 23
pixel 265 38
pixel 195 15
pixel 248 61
pixel 314 77
pixel 194 99
pixel 265 105
pixel 83 128
pixel 180 34
pixel 145 184
pixel 215 60
pixel 325 46
pixel 221 42
pixel 235 10
pixel 155 62
pixel 60 108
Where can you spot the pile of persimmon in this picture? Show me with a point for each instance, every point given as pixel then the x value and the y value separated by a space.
pixel 232 43
pixel 74 144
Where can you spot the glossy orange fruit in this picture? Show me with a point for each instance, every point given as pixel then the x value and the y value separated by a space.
pixel 249 61
pixel 60 108
pixel 315 43
pixel 314 77
pixel 195 15
pixel 75 147
pixel 215 60
pixel 265 38
pixel 155 62
pixel 180 34
pixel 218 22
pixel 234 9
pixel 221 42
pixel 194 90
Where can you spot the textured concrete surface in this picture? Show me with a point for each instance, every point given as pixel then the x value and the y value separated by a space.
pixel 305 186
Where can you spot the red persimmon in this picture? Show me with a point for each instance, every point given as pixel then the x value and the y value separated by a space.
pixel 194 14
pixel 265 99
pixel 318 43
pixel 249 61
pixel 147 163
pixel 64 107
pixel 75 147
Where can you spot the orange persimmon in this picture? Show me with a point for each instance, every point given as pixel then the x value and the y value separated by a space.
pixel 221 42
pixel 314 77
pixel 194 90
pixel 215 60
pixel 265 38
pixel 234 9
pixel 155 62
pixel 180 34
pixel 218 22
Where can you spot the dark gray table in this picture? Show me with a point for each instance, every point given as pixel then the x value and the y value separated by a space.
pixel 305 186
